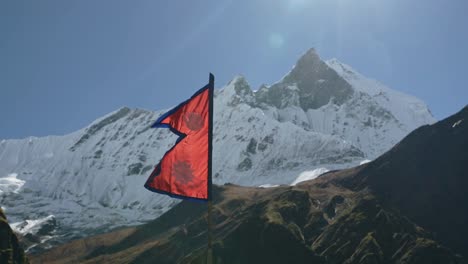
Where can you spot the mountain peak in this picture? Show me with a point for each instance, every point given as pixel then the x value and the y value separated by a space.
pixel 237 90
pixel 237 78
pixel 309 62
pixel 309 56
pixel 240 85
pixel 315 84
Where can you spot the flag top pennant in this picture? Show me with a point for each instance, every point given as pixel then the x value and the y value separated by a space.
pixel 185 170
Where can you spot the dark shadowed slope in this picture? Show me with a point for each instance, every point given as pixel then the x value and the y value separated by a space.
pixel 425 176
pixel 10 250
pixel 408 206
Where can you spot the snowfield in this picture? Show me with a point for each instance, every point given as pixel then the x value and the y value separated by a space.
pixel 10 184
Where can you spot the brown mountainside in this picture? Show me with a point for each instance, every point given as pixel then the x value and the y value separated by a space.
pixel 407 206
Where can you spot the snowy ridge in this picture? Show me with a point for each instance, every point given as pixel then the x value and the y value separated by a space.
pixel 320 115
pixel 406 108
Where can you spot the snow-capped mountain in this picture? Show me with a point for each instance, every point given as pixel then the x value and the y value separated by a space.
pixel 320 115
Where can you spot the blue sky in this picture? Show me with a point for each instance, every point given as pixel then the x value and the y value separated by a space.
pixel 65 63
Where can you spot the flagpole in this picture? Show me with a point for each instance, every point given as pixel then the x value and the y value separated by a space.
pixel 209 257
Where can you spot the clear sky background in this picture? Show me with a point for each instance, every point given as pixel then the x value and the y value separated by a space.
pixel 65 63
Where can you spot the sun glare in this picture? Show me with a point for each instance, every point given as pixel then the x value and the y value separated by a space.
pixel 276 40
pixel 295 4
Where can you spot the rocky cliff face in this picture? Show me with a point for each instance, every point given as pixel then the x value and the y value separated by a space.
pixel 10 250
pixel 320 115
pixel 311 84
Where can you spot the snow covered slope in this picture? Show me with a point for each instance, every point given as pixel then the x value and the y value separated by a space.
pixel 320 115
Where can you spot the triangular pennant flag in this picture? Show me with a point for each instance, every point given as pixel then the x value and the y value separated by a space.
pixel 185 170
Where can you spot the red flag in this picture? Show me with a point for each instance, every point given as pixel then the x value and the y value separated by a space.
pixel 185 170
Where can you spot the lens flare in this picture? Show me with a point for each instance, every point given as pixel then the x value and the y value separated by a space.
pixel 276 40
